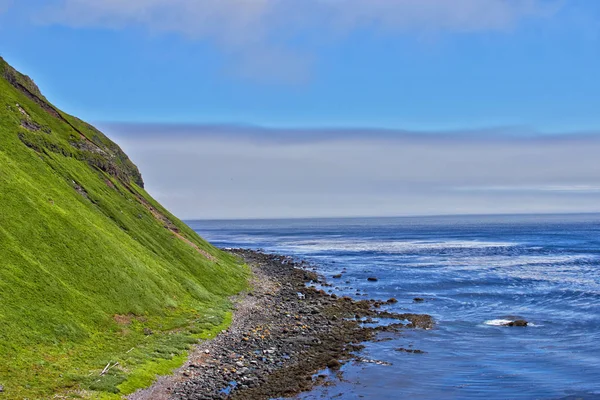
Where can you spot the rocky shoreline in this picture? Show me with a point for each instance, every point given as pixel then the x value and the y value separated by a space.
pixel 284 332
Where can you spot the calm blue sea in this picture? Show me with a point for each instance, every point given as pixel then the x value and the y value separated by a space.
pixel 473 272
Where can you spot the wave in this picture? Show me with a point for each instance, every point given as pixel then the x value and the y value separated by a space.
pixel 503 322
pixel 497 322
pixel 390 246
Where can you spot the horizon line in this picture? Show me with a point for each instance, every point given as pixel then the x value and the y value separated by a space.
pixel 512 214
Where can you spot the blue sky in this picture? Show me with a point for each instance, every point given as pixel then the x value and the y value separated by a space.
pixel 533 67
pixel 300 108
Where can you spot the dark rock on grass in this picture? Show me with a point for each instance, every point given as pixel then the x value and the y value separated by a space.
pixel 1 388
pixel 30 125
pixel 372 279
pixel 418 299
pixel 518 322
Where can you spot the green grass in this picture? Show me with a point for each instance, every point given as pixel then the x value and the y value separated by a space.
pixel 86 269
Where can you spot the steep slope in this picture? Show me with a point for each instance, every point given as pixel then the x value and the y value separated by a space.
pixel 93 271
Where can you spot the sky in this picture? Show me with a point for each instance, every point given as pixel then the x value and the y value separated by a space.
pixel 289 108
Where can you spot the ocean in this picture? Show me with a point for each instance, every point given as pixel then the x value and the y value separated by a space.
pixel 473 273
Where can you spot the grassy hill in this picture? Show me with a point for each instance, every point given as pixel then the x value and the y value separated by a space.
pixel 93 271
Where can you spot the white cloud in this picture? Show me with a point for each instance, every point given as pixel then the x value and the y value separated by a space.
pixel 248 172
pixel 534 188
pixel 246 21
pixel 256 32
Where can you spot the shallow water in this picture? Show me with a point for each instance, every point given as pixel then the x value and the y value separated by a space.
pixel 472 273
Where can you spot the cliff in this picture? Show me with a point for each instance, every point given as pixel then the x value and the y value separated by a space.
pixel 93 271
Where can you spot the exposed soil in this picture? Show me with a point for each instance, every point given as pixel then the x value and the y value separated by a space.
pixel 283 333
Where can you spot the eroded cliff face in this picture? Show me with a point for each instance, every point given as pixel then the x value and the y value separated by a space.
pixel 88 142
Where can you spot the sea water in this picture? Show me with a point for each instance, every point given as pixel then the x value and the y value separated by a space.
pixel 474 274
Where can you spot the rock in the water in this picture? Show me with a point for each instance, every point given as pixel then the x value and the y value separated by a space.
pixel 372 279
pixel 334 364
pixel 413 351
pixel 518 322
pixel 392 301
pixel 418 299
pixel 337 276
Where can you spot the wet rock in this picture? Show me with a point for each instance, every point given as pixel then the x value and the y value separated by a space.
pixel 413 351
pixel 333 364
pixel 337 276
pixel 422 321
pixel 518 322
pixel 372 279
pixel 392 301
pixel 376 362
pixel 418 299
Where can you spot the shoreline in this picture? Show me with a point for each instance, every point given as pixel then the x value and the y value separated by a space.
pixel 284 332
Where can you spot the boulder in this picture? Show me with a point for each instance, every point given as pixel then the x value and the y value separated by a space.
pixel 518 322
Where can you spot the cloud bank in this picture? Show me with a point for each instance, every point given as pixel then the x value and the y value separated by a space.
pixel 271 35
pixel 245 172
pixel 245 21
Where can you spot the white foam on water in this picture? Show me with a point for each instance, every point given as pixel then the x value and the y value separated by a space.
pixel 492 261
pixel 497 322
pixel 503 322
pixel 397 246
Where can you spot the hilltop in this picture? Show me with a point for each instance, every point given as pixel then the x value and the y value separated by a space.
pixel 95 275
